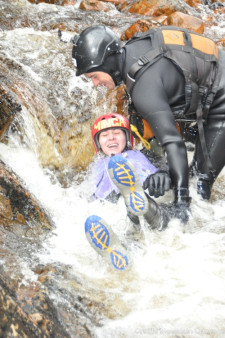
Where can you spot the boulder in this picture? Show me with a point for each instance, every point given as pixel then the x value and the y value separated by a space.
pixel 19 211
pixel 180 19
pixel 153 8
pixel 94 5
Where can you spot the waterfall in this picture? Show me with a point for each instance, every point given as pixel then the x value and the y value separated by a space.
pixel 175 286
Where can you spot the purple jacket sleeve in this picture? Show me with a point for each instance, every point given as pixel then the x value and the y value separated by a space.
pixel 103 184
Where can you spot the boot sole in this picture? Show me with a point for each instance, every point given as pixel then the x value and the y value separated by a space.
pixel 124 176
pixel 100 236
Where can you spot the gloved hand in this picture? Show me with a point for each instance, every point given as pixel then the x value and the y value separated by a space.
pixel 157 183
pixel 181 206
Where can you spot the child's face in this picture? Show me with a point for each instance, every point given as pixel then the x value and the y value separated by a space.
pixel 112 141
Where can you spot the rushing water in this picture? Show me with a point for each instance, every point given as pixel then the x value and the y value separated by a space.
pixel 176 285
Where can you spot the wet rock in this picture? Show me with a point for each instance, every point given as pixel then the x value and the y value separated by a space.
pixel 159 20
pixel 154 8
pixel 27 310
pixel 18 320
pixel 157 8
pixel 221 42
pixel 116 2
pixel 60 130
pixel 117 99
pixel 121 100
pixel 55 2
pixel 94 5
pixel 52 2
pixel 19 211
pixel 216 4
pixel 139 26
pixel 220 10
pixel 39 300
pixel 186 21
pixel 175 19
pixel 193 3
pixel 8 108
pixel 69 2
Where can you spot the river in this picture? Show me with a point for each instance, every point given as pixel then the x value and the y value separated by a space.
pixel 176 285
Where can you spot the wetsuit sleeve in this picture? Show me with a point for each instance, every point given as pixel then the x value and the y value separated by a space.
pixel 153 95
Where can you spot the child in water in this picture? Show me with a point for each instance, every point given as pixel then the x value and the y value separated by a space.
pixel 123 171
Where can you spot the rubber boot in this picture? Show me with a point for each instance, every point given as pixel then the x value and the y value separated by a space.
pixel 204 187
pixel 134 219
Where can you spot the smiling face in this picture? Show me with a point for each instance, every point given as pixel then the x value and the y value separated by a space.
pixel 112 141
pixel 101 79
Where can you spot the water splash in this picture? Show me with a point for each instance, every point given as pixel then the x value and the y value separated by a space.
pixel 176 284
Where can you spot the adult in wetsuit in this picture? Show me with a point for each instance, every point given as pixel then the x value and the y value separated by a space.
pixel 159 97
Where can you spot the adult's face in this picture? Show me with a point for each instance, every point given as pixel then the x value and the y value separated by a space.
pixel 101 79
pixel 112 141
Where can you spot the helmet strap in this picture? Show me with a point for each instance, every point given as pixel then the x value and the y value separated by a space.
pixel 116 76
pixel 111 66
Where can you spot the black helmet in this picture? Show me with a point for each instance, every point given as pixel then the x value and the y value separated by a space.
pixel 93 46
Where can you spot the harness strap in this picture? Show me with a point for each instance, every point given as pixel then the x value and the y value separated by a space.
pixel 209 100
pixel 202 140
pixel 214 89
pixel 145 142
pixel 147 59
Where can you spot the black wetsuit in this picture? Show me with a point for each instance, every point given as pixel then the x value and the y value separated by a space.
pixel 158 95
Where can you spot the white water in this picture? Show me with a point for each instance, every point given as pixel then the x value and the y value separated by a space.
pixel 176 285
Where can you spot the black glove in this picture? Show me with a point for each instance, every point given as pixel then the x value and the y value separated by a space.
pixel 181 206
pixel 157 183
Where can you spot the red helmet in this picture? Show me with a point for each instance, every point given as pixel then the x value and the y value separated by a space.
pixel 108 121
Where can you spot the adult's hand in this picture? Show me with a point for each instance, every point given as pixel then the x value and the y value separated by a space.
pixel 157 184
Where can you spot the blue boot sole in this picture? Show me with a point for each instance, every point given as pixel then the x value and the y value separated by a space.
pixel 124 176
pixel 100 236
